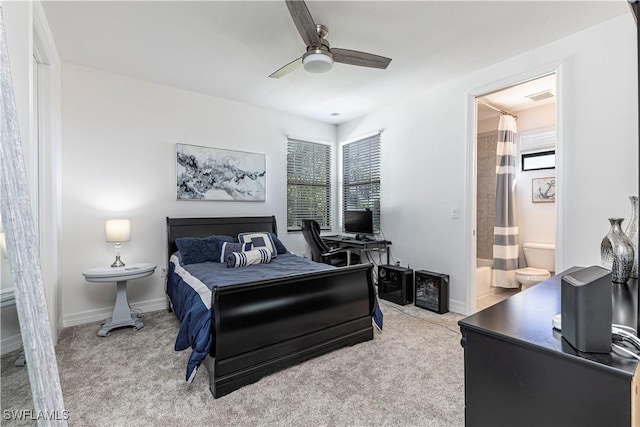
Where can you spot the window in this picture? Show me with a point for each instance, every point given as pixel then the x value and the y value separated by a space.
pixel 361 176
pixel 538 161
pixel 308 183
pixel 537 150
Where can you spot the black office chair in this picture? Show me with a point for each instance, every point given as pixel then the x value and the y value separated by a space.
pixel 320 252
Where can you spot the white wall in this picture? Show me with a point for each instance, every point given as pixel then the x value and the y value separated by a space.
pixel 425 153
pixel 118 160
pixel 536 221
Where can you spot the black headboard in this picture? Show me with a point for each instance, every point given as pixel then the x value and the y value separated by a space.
pixel 203 227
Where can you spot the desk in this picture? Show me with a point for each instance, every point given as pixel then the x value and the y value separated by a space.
pixel 122 313
pixel 358 245
pixel 518 370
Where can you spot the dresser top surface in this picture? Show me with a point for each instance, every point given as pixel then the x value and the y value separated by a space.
pixel 526 319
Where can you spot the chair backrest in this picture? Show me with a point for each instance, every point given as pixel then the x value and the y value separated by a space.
pixel 311 233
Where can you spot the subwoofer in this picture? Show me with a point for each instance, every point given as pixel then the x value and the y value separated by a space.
pixel 395 284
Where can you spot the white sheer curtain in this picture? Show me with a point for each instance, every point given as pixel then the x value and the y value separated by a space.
pixel 18 226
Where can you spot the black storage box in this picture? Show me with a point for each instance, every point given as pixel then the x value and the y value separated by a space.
pixel 432 291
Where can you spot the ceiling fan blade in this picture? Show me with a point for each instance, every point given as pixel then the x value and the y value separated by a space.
pixel 363 59
pixel 304 22
pixel 290 67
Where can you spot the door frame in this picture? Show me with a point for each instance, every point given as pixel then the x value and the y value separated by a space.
pixel 471 169
pixel 48 139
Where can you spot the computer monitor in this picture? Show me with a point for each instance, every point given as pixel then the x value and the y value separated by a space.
pixel 359 222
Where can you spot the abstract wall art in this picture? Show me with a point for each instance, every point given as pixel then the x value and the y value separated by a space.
pixel 206 173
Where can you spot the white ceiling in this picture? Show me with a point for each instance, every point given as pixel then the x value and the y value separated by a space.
pixel 516 98
pixel 228 48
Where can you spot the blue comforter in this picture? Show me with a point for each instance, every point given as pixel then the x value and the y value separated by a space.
pixel 189 289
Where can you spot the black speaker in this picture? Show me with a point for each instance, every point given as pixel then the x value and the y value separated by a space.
pixel 585 299
pixel 432 291
pixel 395 284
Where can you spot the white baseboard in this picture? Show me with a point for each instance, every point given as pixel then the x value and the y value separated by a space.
pixel 14 342
pixel 100 314
pixel 457 306
pixel 7 345
pixel 59 326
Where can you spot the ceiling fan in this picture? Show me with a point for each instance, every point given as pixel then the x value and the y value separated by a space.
pixel 320 56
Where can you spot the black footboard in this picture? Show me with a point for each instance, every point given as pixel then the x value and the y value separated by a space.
pixel 263 327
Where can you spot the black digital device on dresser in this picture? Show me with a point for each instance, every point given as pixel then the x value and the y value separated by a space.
pixel 395 284
pixel 432 291
pixel 585 300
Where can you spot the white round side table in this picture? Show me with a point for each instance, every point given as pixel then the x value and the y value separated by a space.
pixel 122 314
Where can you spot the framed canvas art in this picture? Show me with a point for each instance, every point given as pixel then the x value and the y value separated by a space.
pixel 543 190
pixel 206 173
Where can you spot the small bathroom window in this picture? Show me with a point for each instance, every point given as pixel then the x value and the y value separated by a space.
pixel 538 161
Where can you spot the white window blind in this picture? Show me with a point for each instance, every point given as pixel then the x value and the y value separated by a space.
pixel 537 149
pixel 361 176
pixel 308 183
pixel 537 141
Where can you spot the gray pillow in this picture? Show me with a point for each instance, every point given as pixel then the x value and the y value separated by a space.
pixel 280 248
pixel 194 250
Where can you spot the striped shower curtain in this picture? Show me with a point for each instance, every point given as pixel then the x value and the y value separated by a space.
pixel 505 231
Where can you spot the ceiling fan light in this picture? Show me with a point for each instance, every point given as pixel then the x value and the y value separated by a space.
pixel 317 62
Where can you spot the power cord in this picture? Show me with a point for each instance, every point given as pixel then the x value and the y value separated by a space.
pixel 623 351
pixel 392 259
pixel 622 337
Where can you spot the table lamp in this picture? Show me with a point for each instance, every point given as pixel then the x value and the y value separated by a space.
pixel 118 231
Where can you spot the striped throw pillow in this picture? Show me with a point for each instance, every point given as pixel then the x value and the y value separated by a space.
pixel 254 256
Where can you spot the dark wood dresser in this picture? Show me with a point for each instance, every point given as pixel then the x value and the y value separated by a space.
pixel 519 371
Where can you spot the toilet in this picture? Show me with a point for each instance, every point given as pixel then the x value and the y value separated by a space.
pixel 540 258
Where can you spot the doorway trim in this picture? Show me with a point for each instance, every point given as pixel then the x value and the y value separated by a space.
pixel 48 117
pixel 471 169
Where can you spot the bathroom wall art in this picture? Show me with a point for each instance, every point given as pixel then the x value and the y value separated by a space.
pixel 543 190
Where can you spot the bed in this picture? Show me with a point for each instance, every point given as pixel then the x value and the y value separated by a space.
pixel 252 328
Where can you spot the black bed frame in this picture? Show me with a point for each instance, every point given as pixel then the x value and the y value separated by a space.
pixel 265 326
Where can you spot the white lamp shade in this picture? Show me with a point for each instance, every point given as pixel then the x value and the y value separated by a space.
pixel 118 230
pixel 319 62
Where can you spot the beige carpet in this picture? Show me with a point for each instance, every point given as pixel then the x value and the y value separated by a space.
pixel 411 374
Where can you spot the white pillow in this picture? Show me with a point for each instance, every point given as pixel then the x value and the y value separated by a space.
pixel 254 256
pixel 259 240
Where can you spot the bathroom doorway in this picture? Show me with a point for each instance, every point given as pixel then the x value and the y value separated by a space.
pixel 532 234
